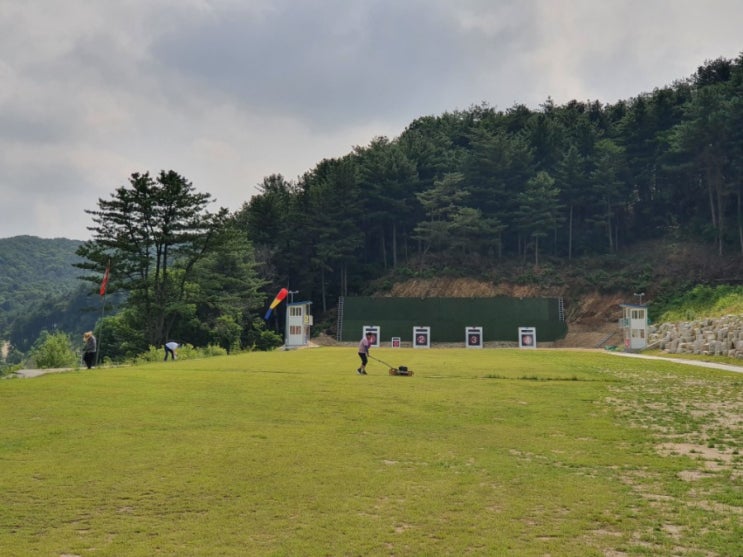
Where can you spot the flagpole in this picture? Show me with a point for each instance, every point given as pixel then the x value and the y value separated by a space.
pixel 100 334
pixel 102 292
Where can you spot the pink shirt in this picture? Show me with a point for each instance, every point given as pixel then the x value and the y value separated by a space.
pixel 364 346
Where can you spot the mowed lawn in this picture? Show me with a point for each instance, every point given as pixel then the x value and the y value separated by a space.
pixel 481 452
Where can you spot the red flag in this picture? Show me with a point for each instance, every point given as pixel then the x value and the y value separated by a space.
pixel 102 291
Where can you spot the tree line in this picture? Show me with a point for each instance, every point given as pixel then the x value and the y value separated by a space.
pixel 186 273
pixel 466 188
pixel 477 186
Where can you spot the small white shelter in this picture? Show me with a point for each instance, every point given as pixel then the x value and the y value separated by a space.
pixel 298 324
pixel 634 325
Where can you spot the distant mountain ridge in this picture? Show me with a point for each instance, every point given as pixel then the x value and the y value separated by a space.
pixel 33 269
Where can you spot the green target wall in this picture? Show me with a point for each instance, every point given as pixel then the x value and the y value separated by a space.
pixel 500 317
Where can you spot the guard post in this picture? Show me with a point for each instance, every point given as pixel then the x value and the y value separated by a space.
pixel 634 325
pixel 299 323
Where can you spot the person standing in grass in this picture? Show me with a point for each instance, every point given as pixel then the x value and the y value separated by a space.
pixel 89 349
pixel 171 348
pixel 364 346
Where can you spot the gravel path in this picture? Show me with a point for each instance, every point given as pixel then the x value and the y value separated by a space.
pixel 724 367
pixel 28 373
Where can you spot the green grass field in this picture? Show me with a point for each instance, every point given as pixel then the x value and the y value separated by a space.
pixel 481 452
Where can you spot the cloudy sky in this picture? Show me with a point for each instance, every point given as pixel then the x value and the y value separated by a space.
pixel 226 92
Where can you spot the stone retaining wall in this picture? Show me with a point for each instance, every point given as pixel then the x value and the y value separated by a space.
pixel 721 336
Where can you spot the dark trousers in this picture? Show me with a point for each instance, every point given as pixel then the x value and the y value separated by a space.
pixel 169 351
pixel 89 359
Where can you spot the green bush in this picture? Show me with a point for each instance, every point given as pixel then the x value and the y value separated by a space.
pixel 184 352
pixel 700 300
pixel 212 350
pixel 53 350
pixel 264 340
pixel 153 354
pixel 260 338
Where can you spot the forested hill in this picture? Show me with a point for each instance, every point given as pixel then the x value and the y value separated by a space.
pixel 470 191
pixel 28 262
pixel 35 269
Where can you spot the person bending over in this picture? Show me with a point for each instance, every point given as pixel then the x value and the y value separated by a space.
pixel 170 349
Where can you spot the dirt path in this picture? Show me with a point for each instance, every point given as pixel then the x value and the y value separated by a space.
pixel 28 373
pixel 713 365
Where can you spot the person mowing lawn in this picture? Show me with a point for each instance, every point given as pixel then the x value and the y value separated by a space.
pixel 364 345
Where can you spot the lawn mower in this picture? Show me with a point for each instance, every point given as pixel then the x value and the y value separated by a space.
pixel 399 370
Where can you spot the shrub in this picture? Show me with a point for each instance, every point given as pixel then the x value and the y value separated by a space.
pixel 153 354
pixel 690 303
pixel 54 350
pixel 267 340
pixel 210 351
pixel 184 352
pixel 260 338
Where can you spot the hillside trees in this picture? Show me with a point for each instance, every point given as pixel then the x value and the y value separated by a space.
pixel 735 124
pixel 268 220
pixel 703 137
pixel 388 179
pixel 72 312
pixel 495 169
pixel 171 256
pixel 225 293
pixel 539 209
pixel 308 234
pixel 480 185
pixel 333 222
pixel 442 204
pixel 643 133
pixel 709 141
pixel 33 272
pixel 570 181
pixel 609 190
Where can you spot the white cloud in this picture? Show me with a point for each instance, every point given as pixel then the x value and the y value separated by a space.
pixel 226 92
pixel 615 50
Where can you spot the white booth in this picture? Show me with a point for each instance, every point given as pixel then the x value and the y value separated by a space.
pixel 298 324
pixel 634 325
